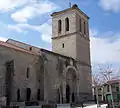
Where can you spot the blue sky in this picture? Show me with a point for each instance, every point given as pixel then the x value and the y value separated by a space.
pixel 29 21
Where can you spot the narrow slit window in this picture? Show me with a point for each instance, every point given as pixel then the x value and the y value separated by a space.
pixel 28 72
pixel 30 48
pixel 63 45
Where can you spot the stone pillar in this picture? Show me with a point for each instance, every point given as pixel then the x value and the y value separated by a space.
pixel 77 88
pixel 78 85
pixel 64 92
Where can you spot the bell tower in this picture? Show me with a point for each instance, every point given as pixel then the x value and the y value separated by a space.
pixel 70 37
pixel 70 34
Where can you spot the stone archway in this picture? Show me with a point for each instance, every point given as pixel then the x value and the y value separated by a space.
pixel 74 71
pixel 18 95
pixel 28 94
pixel 71 83
pixel 67 93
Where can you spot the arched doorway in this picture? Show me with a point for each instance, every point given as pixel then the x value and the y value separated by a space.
pixel 71 83
pixel 58 96
pixel 67 93
pixel 38 94
pixel 73 97
pixel 28 94
pixel 18 95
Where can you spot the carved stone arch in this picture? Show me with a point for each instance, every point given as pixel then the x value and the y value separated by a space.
pixel 71 67
pixel 71 76
pixel 41 77
pixel 43 60
pixel 43 57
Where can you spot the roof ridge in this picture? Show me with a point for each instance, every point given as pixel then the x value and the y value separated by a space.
pixel 74 7
pixel 5 44
pixel 22 43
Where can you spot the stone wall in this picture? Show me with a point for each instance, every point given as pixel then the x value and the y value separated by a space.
pixel 22 61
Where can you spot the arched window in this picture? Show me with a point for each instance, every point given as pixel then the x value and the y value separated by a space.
pixel 87 26
pixel 59 26
pixel 80 29
pixel 67 24
pixel 84 28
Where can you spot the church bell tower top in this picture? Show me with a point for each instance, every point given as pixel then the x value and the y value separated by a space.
pixel 74 7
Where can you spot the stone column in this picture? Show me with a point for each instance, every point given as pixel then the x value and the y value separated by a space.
pixel 77 87
pixel 64 91
pixel 64 85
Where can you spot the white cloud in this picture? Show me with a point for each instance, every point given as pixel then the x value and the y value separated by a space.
pixel 3 39
pixel 7 5
pixel 15 28
pixel 45 30
pixel 26 9
pixel 33 10
pixel 103 50
pixel 93 32
pixel 110 5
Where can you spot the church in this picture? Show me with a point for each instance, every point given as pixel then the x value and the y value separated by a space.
pixel 63 75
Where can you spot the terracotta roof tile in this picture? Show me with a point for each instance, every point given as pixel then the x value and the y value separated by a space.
pixel 114 81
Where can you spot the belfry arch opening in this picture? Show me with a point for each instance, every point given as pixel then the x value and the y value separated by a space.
pixel 67 24
pixel 59 26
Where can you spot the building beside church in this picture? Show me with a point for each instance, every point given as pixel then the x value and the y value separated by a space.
pixel 62 75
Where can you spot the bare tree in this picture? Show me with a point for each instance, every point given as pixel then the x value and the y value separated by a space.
pixel 107 74
pixel 96 83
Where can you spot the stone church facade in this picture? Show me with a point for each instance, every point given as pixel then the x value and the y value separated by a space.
pixel 62 75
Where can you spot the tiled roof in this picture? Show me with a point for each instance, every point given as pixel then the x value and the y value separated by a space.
pixel 114 81
pixel 20 42
pixel 57 54
pixel 4 44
